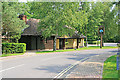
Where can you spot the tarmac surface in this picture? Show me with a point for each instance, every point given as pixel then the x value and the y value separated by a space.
pixel 73 64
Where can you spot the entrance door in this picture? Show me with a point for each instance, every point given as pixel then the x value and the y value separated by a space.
pixel 27 40
pixel 61 43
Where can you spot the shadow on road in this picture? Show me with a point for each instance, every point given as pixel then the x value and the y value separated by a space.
pixel 53 69
pixel 78 57
pixel 58 68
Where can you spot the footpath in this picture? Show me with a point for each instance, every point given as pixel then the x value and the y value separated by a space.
pixel 27 53
pixel 91 68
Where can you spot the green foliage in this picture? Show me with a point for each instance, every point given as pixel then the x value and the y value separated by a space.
pixel 10 21
pixel 101 14
pixel 55 19
pixel 14 36
pixel 66 43
pixel 13 47
pixel 97 42
pixel 54 15
pixel 118 45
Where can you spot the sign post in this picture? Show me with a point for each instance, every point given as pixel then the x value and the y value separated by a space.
pixel 101 41
pixel 101 31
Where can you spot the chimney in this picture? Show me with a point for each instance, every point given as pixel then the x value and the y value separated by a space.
pixel 23 17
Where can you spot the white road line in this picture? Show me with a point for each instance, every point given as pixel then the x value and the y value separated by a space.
pixel 68 68
pixel 12 67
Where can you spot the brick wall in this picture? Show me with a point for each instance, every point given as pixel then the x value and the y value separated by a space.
pixel 49 44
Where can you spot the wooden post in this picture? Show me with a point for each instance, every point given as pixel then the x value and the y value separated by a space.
pixel 77 43
pixel 101 31
pixel 101 42
pixel 63 44
pixel 36 42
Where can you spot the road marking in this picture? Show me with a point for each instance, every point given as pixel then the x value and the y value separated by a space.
pixel 68 68
pixel 11 68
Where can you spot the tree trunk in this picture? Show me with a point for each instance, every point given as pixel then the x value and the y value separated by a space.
pixel 86 41
pixel 86 35
pixel 54 43
pixel 101 41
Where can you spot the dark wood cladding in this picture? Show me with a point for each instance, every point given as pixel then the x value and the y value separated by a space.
pixel 36 42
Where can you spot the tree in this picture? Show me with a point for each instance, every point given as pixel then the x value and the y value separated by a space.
pixel 11 24
pixel 85 18
pixel 111 22
pixel 92 15
pixel 53 17
pixel 101 13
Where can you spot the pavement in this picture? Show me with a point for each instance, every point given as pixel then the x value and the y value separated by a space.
pixel 91 68
pixel 73 64
pixel 26 54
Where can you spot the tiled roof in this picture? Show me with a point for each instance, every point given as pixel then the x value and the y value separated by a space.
pixel 32 29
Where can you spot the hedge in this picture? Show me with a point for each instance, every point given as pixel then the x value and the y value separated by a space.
pixel 118 45
pixel 13 47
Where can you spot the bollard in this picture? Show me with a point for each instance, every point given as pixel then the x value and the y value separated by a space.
pixel 118 61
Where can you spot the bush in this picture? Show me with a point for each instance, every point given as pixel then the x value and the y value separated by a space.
pixel 98 42
pixel 66 43
pixel 118 45
pixel 13 47
pixel 85 42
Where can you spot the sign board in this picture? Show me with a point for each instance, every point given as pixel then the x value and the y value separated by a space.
pixel 101 30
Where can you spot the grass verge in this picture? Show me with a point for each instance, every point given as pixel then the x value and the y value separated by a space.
pixel 110 71
pixel 84 48
pixel 4 55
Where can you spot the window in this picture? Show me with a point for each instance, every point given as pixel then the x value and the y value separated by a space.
pixel 66 40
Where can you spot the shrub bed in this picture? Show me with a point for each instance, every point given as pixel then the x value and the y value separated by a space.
pixel 118 45
pixel 13 47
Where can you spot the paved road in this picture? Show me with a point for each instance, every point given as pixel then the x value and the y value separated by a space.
pixel 46 65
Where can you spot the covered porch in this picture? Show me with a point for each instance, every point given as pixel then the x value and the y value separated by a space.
pixel 69 43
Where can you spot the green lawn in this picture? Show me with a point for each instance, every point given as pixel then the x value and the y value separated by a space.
pixel 109 70
pixel 84 48
pixel 4 55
